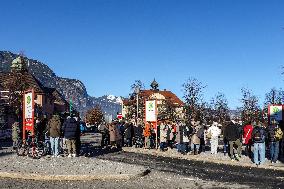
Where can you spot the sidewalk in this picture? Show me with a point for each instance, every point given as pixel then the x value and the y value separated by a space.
pixel 207 157
pixel 64 168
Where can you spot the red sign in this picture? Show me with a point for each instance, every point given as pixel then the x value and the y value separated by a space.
pixel 28 112
pixel 119 116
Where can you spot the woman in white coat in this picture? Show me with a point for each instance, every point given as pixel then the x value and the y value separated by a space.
pixel 214 131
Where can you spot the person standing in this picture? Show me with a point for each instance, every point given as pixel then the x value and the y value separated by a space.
pixel 201 135
pixel 195 141
pixel 163 136
pixel 54 132
pixel 215 132
pixel 233 135
pixel 71 128
pixel 119 130
pixel 258 138
pixel 128 133
pixel 274 136
pixel 147 135
pixel 112 136
pixel 247 138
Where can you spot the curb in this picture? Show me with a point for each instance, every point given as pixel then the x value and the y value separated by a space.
pixel 38 177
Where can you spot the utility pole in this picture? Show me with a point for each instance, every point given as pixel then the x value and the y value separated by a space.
pixel 137 91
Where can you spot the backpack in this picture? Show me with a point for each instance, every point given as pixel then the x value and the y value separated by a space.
pixel 278 134
pixel 258 135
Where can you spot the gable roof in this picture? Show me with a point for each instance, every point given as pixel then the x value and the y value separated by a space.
pixel 146 94
pixel 28 78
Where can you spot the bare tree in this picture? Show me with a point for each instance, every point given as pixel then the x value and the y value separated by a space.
pixel 274 96
pixel 137 84
pixel 192 89
pixel 220 108
pixel 136 89
pixel 167 110
pixel 250 110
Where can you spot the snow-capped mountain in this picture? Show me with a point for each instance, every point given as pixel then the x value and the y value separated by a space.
pixel 70 88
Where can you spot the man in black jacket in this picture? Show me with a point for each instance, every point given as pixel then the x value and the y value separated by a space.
pixel 233 135
pixel 71 129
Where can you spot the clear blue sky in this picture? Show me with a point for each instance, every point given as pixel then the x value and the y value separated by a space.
pixel 107 44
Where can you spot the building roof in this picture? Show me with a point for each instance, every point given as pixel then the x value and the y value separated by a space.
pixel 32 82
pixel 58 97
pixel 146 94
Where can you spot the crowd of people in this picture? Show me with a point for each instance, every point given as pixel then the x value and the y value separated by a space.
pixel 260 141
pixel 61 132
pixel 257 141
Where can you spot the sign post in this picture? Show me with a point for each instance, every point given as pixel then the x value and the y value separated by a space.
pixel 151 116
pixel 275 112
pixel 28 112
pixel 119 116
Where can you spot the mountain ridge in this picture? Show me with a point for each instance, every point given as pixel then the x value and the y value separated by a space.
pixel 70 88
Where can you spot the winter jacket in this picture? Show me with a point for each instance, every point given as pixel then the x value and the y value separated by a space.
pixel 127 130
pixel 271 129
pixel 112 131
pixel 179 133
pixel 163 133
pixel 147 130
pixel 194 138
pixel 71 128
pixel 138 131
pixel 118 131
pixel 54 126
pixel 214 131
pixel 247 134
pixel 232 132
pixel 258 134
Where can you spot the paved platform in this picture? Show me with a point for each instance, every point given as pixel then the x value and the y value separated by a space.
pixel 65 168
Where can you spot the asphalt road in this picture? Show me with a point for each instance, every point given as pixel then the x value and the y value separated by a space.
pixel 252 177
pixel 169 173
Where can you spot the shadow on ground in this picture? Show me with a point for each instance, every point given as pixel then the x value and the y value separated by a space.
pixel 92 151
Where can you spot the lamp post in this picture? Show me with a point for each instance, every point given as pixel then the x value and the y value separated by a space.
pixel 137 91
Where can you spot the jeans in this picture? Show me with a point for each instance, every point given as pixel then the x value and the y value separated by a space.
pixel 182 147
pixel 274 151
pixel 128 142
pixel 163 145
pixel 195 147
pixel 225 148
pixel 259 153
pixel 214 145
pixel 54 142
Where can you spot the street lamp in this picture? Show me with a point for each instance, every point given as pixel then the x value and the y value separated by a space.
pixel 137 91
